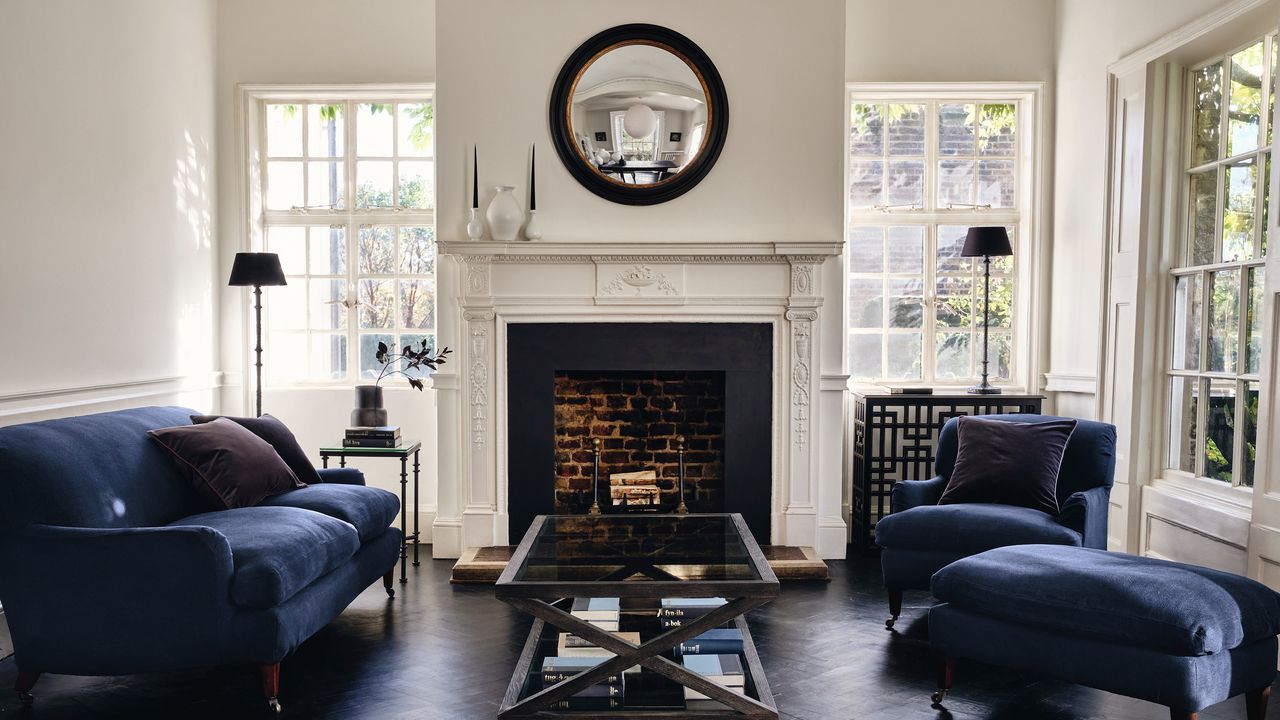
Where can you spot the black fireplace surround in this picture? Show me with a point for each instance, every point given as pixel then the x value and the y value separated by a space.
pixel 742 351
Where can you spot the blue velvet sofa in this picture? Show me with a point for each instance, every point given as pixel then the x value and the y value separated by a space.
pixel 110 564
pixel 921 537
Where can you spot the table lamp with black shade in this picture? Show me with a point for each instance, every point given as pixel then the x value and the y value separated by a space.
pixel 986 242
pixel 256 270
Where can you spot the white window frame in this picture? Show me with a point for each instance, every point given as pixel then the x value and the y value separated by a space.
pixel 257 218
pixel 1030 268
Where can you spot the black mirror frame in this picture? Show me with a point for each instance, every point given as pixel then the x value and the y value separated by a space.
pixel 567 145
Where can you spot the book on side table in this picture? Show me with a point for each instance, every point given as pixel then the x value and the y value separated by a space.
pixel 386 436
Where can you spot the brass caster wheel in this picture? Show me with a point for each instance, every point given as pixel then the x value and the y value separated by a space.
pixel 938 696
pixel 273 704
pixel 26 699
pixel 888 624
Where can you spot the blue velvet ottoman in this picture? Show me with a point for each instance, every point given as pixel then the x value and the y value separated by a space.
pixel 1178 635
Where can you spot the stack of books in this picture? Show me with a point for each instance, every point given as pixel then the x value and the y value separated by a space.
pixel 604 613
pixel 720 641
pixel 608 694
pixel 723 670
pixel 677 612
pixel 386 436
pixel 574 646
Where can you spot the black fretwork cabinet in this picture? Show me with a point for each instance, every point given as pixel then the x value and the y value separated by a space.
pixel 893 439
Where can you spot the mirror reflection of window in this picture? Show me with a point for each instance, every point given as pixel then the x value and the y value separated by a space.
pixel 643 149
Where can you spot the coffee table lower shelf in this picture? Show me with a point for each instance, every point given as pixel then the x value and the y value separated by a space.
pixel 757 688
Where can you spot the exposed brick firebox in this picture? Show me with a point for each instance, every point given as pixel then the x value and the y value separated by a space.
pixel 637 416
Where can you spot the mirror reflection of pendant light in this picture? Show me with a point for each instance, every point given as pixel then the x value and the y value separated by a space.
pixel 640 121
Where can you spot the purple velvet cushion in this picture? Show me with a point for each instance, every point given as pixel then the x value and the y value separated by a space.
pixel 278 435
pixel 1008 463
pixel 230 466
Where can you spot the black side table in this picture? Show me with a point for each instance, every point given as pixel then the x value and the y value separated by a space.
pixel 403 451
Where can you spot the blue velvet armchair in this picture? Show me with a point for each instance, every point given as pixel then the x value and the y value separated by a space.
pixel 111 565
pixel 920 537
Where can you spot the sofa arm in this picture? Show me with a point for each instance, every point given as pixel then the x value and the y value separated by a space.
pixel 91 601
pixel 1086 513
pixel 907 494
pixel 342 476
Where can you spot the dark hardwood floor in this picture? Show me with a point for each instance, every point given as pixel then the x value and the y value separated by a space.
pixel 446 652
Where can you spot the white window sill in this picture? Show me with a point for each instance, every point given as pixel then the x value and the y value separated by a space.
pixel 1214 494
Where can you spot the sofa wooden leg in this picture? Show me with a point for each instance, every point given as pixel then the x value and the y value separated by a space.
pixel 895 608
pixel 946 675
pixel 1255 703
pixel 388 582
pixel 1182 715
pixel 23 686
pixel 271 685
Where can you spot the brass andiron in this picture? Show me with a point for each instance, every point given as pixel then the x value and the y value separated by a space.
pixel 681 509
pixel 595 477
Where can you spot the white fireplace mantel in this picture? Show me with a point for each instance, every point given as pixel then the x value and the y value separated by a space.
pixel 486 286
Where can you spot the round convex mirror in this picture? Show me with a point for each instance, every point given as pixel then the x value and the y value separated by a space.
pixel 639 114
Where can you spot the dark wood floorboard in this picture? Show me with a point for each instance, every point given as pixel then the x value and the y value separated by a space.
pixel 446 651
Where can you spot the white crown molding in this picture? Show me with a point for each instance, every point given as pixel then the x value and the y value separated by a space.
pixel 1070 383
pixel 1181 36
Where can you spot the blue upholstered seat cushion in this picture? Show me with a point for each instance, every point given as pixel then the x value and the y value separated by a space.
pixel 970 528
pixel 370 510
pixel 277 551
pixel 1122 599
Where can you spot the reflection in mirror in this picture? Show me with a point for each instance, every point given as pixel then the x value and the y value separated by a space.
pixel 639 114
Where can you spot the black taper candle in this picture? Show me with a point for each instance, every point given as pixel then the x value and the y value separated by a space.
pixel 533 178
pixel 475 180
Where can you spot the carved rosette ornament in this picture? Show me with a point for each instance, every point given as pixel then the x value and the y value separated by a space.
pixel 478 275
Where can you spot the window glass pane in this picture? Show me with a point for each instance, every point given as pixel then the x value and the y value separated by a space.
pixel 997 133
pixel 1204 208
pixel 864 356
pixel 326 185
pixel 1266 206
pixel 904 356
pixel 1187 301
pixel 1207 87
pixel 377 250
pixel 1237 218
pixel 417 250
pixel 369 365
pixel 284 131
pixel 373 183
pixel 284 185
pixel 1224 320
pixel 906 249
pixel 415 128
pixel 416 185
pixel 286 354
pixel 954 302
pixel 1184 394
pixel 906 183
pixel 954 353
pixel 866 249
pixel 1001 351
pixel 287 306
pixel 906 130
pixel 1254 320
pixel 417 304
pixel 865 303
pixel 950 243
pixel 1271 112
pixel 906 303
pixel 866 130
pixel 326 131
pixel 328 252
pixel 955 182
pixel 328 304
pixel 955 129
pixel 328 357
pixel 866 181
pixel 1245 110
pixel 1001 303
pixel 374 134
pixel 1247 463
pixel 290 244
pixel 377 303
pixel 996 183
pixel 1219 430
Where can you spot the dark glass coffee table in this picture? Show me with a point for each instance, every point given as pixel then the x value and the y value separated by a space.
pixel 638 558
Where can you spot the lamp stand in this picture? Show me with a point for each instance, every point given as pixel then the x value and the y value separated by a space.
pixel 257 350
pixel 984 387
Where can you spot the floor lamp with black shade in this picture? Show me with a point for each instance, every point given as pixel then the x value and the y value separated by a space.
pixel 257 270
pixel 986 242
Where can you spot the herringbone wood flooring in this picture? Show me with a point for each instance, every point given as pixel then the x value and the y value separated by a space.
pixel 440 651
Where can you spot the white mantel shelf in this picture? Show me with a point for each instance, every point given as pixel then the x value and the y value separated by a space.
pixel 584 251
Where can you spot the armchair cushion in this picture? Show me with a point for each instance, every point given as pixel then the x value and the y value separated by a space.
pixel 277 551
pixel 370 510
pixel 277 436
pixel 1010 463
pixel 970 528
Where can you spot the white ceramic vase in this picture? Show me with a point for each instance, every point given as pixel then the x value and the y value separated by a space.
pixel 475 227
pixel 505 215
pixel 533 230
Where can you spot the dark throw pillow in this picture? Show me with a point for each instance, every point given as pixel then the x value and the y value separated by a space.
pixel 279 437
pixel 229 465
pixel 1008 463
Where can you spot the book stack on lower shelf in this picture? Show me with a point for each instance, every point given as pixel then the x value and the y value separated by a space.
pixel 723 670
pixel 386 436
pixel 607 694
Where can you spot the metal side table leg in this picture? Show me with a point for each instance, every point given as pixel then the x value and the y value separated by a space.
pixel 404 539
pixel 417 535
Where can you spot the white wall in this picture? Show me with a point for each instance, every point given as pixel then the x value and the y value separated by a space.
pixel 321 42
pixel 107 268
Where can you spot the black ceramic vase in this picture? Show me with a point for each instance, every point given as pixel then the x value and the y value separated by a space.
pixel 368 411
